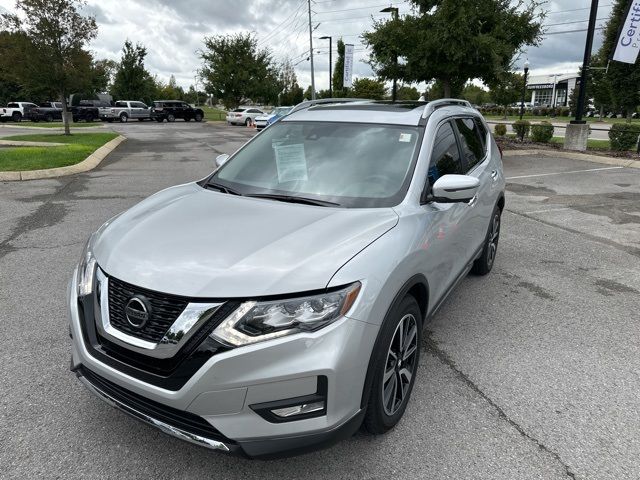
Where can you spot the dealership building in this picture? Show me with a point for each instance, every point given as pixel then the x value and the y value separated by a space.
pixel 552 90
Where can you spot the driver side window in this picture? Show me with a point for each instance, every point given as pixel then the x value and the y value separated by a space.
pixel 445 157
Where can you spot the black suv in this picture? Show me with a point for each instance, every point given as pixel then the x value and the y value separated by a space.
pixel 171 109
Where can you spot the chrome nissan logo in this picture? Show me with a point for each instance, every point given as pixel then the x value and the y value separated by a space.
pixel 137 311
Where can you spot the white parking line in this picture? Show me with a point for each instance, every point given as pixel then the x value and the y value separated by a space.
pixel 562 173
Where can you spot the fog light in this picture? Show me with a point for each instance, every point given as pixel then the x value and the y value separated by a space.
pixel 303 409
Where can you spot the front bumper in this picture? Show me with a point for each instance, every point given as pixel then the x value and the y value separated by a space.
pixel 224 390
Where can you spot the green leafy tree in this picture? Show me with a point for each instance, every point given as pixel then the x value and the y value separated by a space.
pixel 290 92
pixel 475 94
pixel 506 89
pixel 132 81
pixel 368 88
pixel 406 92
pixel 55 35
pixel 338 73
pixel 170 90
pixel 622 81
pixel 235 69
pixel 453 41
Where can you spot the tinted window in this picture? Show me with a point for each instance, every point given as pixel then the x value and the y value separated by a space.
pixel 13 105
pixel 445 158
pixel 253 110
pixel 482 130
pixel 239 110
pixel 138 105
pixel 470 143
pixel 121 104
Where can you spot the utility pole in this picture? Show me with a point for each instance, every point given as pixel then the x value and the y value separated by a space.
pixel 313 82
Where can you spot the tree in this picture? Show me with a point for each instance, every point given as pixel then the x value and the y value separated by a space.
pixel 55 35
pixel 621 82
pixel 235 69
pixel 290 92
pixel 474 94
pixel 171 90
pixel 406 92
pixel 338 73
pixel 132 81
pixel 506 89
pixel 368 88
pixel 453 41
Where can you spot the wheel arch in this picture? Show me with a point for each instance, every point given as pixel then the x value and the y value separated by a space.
pixel 418 287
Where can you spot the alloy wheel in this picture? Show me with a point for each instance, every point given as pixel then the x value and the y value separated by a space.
pixel 400 365
pixel 493 239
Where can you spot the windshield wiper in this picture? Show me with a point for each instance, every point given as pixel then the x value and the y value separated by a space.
pixel 294 199
pixel 221 188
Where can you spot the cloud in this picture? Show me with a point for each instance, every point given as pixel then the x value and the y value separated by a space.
pixel 173 32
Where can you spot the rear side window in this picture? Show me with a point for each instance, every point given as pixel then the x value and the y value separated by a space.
pixel 445 158
pixel 121 104
pixel 482 131
pixel 13 105
pixel 470 143
pixel 239 110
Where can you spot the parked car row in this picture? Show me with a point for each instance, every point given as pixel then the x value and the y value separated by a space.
pixel 90 110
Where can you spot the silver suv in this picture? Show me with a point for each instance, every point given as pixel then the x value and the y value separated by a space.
pixel 277 305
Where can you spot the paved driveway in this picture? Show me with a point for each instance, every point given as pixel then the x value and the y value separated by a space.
pixel 529 373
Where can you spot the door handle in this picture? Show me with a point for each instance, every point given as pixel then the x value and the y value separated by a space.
pixel 494 175
pixel 473 201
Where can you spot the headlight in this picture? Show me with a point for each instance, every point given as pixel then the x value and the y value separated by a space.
pixel 86 270
pixel 255 322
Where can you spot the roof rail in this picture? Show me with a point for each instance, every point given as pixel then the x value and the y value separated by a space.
pixel 324 101
pixel 443 102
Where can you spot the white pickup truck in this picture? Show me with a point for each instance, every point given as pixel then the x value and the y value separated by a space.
pixel 17 111
pixel 125 110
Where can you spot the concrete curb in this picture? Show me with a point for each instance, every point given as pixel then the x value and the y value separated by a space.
pixel 89 163
pixel 585 157
pixel 19 143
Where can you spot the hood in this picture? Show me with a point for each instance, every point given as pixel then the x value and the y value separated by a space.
pixel 200 243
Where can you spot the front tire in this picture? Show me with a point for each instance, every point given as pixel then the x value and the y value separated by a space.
pixel 16 117
pixel 124 118
pixel 395 364
pixel 171 118
pixel 484 263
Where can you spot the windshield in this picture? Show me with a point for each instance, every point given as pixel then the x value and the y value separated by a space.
pixel 353 165
pixel 280 111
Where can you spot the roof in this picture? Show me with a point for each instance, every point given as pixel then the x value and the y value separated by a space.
pixel 369 111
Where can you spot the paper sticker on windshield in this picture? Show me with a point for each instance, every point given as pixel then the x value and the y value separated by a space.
pixel 291 162
pixel 405 137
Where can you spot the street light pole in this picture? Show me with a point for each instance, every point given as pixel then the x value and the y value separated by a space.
pixel 394 16
pixel 330 63
pixel 524 88
pixel 585 62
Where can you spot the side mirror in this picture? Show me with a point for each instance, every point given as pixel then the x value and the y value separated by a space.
pixel 221 160
pixel 455 188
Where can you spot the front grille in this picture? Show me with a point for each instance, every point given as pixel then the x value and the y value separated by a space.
pixel 185 421
pixel 165 309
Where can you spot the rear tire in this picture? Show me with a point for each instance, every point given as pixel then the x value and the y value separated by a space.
pixel 49 118
pixel 484 263
pixel 395 364
pixel 159 119
pixel 16 117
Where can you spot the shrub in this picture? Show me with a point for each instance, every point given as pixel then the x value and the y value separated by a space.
pixel 623 136
pixel 521 127
pixel 542 132
pixel 500 129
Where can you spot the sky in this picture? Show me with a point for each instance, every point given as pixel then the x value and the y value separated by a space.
pixel 173 32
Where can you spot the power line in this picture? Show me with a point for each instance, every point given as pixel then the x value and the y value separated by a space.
pixel 573 31
pixel 577 9
pixel 569 23
pixel 358 8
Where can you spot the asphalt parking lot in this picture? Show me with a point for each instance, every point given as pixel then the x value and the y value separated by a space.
pixel 530 373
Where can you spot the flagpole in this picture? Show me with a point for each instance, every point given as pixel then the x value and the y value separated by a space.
pixel 585 63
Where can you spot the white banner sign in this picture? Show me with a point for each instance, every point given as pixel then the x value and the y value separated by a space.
pixel 348 66
pixel 628 44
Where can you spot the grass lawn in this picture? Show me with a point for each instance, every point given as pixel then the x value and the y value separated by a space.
pixel 52 124
pixel 213 114
pixel 539 118
pixel 77 148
